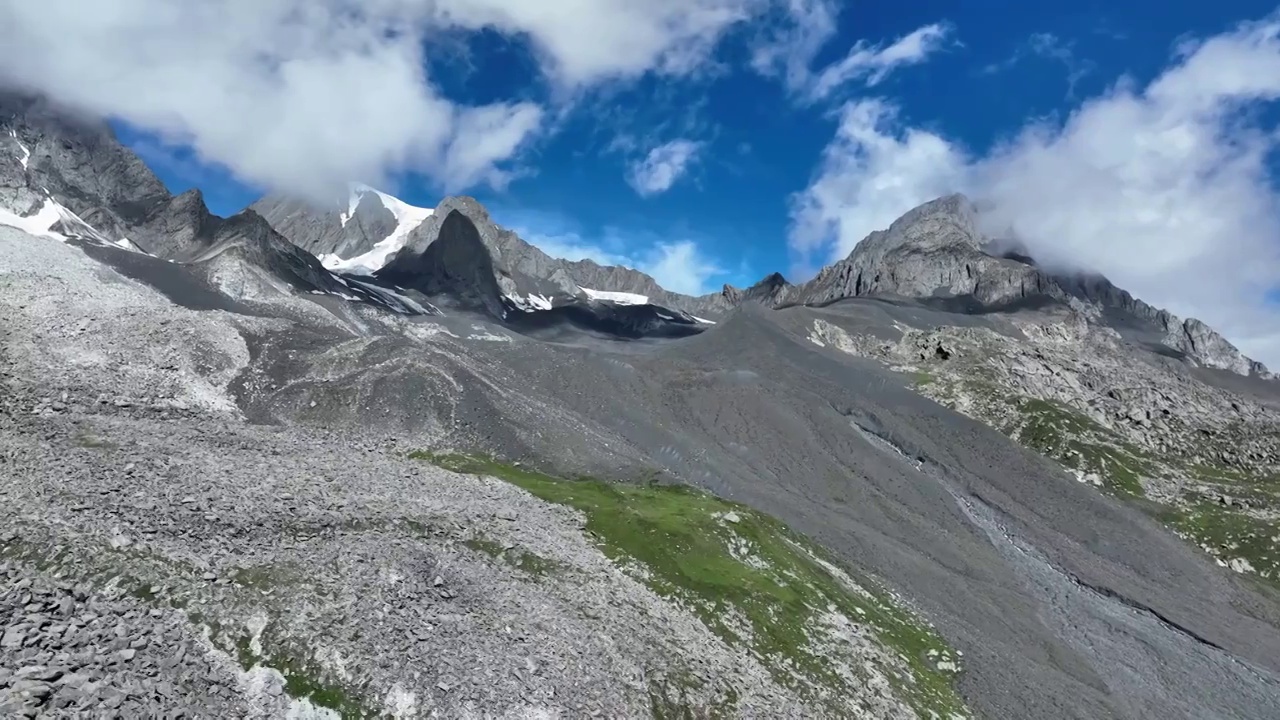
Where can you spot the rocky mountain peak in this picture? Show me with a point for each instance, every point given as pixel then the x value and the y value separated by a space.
pixel 947 223
pixel 937 253
pixel 767 291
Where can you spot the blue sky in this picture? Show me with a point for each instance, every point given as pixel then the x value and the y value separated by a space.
pixel 712 141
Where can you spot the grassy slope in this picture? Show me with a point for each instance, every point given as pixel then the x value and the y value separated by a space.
pixel 692 546
pixel 1079 443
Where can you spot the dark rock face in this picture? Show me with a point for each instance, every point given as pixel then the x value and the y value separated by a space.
pixel 77 160
pixel 522 269
pixel 456 264
pixel 460 267
pixel 370 223
pixel 766 292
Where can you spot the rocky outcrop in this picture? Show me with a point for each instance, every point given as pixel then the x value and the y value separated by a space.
pixel 936 252
pixel 54 151
pixel 456 264
pixel 768 291
pixel 522 269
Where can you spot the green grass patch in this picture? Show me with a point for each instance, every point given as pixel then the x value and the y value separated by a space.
pixel 750 580
pixel 1230 534
pixel 530 562
pixel 673 698
pixel 303 679
pixel 1080 443
pixel 268 577
pixel 85 439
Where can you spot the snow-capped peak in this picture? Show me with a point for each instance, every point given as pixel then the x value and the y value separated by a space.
pixel 408 217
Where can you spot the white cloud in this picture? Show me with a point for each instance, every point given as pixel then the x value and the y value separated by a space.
pixel 873 64
pixel 871 172
pixel 802 30
pixel 302 95
pixel 679 266
pixel 809 25
pixel 1164 188
pixel 663 166
pixel 585 41
pixel 485 137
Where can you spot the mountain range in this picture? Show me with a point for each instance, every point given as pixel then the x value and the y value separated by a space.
pixel 329 459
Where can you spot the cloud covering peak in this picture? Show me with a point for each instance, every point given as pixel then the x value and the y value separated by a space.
pixel 1164 188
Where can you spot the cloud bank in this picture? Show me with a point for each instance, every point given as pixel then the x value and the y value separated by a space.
pixel 304 95
pixel 1162 187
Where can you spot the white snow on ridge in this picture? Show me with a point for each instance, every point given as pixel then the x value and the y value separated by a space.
pixel 39 224
pixel 51 213
pixel 533 302
pixel 26 154
pixel 704 321
pixel 621 298
pixel 408 218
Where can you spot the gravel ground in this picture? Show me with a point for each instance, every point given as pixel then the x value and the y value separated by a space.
pixel 313 494
pixel 163 555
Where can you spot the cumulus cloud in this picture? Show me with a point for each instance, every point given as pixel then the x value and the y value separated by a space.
pixel 870 173
pixel 809 25
pixel 581 42
pixel 302 95
pixel 680 266
pixel 1164 188
pixel 873 63
pixel 663 166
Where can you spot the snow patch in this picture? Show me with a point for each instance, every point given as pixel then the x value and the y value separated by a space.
pixel 408 218
pixel 704 321
pixel 621 298
pixel 50 214
pixel 39 224
pixel 26 154
pixel 532 302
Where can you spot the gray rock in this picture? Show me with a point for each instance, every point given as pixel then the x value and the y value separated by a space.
pixel 13 639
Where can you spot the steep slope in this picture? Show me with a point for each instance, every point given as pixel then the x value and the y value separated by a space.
pixel 449 261
pixel 236 568
pixel 456 264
